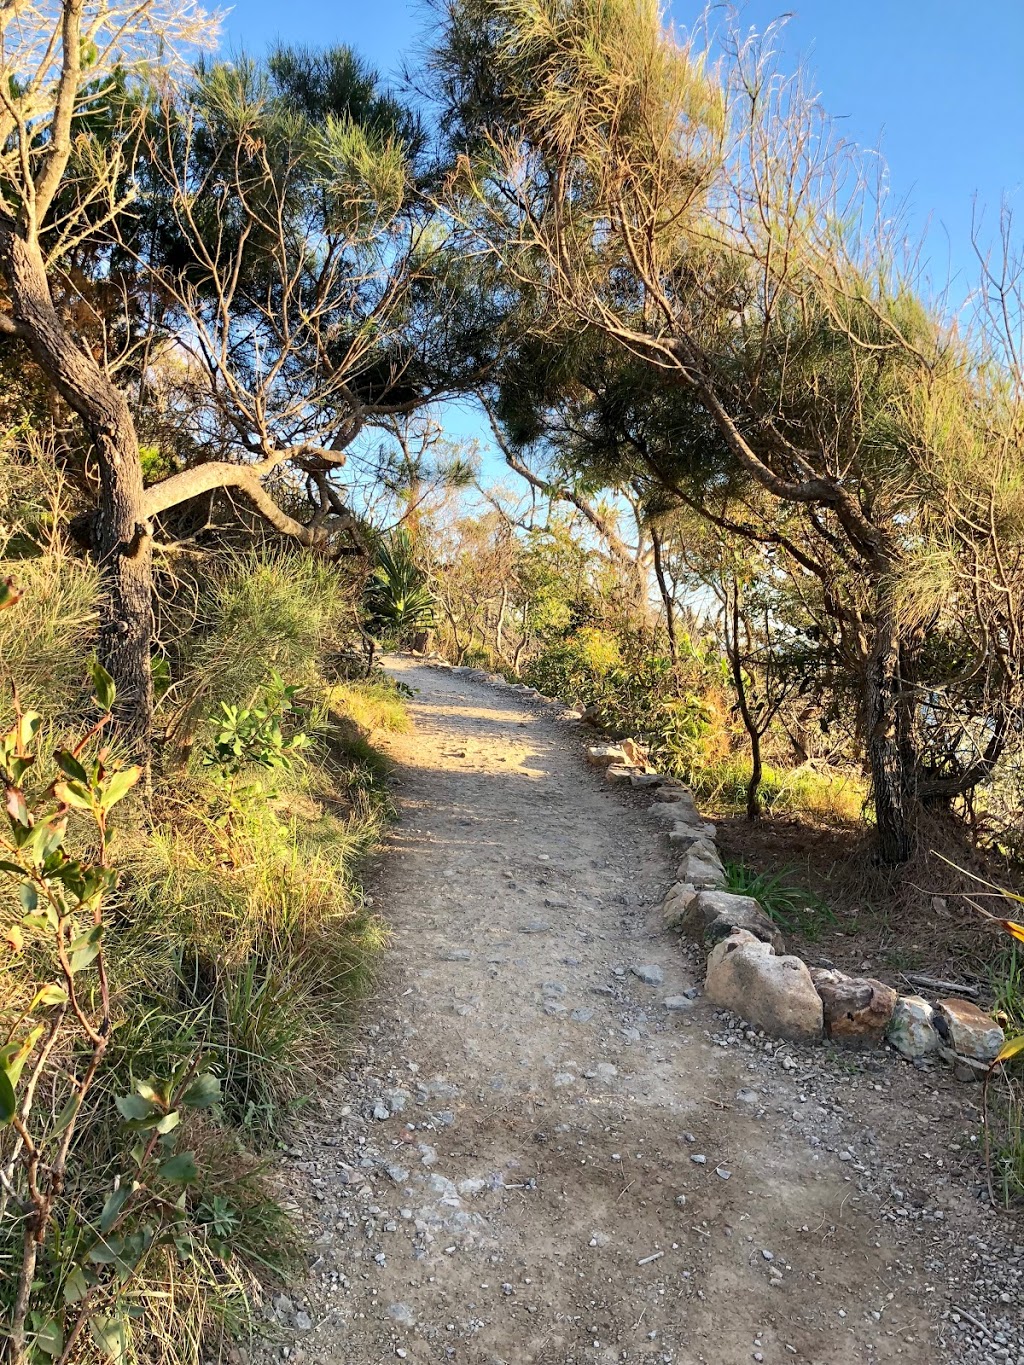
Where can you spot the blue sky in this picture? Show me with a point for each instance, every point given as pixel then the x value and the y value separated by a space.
pixel 937 84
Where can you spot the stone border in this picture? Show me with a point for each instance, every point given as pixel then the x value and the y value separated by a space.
pixel 748 969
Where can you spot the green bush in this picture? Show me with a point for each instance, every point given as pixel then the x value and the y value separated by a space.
pixel 256 614
pixel 237 941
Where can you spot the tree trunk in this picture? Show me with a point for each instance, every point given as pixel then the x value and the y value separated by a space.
pixel 889 746
pixel 122 539
pixel 666 595
pixel 734 622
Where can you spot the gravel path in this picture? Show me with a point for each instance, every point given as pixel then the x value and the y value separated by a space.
pixel 534 1159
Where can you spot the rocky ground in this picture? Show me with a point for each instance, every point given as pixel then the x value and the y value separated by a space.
pixel 534 1158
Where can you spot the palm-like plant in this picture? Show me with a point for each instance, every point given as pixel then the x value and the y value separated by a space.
pixel 398 599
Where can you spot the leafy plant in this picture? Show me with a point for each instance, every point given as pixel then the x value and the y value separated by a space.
pixel 398 599
pixel 793 909
pixel 252 736
pixel 79 1262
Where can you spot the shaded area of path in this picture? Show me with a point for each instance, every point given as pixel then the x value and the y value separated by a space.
pixel 533 1159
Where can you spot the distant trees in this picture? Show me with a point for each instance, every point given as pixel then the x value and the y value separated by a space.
pixel 721 314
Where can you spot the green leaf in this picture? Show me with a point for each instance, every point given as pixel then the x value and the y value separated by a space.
pixel 13 868
pixel 85 948
pixel 49 995
pixel 8 1102
pixel 118 787
pixel 29 897
pixel 115 1202
pixel 203 1092
pixel 76 1286
pixel 74 794
pixel 67 1115
pixel 110 1336
pixel 104 685
pixel 70 766
pixel 180 1170
pixel 13 1056
pixel 149 1091
pixel 106 1252
pixel 133 1107
pixel 50 1338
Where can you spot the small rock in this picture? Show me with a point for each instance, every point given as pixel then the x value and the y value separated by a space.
pixel 857 1009
pixel 381 1111
pixel 676 903
pixel 678 1002
pixel 303 1322
pixel 912 1030
pixel 712 915
pixel 603 755
pixel 699 1159
pixel 706 873
pixel 749 1097
pixel 455 955
pixel 618 772
pixel 648 973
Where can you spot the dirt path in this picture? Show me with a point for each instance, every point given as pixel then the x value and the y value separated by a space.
pixel 533 1159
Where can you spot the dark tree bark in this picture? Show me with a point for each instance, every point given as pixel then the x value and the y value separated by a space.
pixel 666 594
pixel 890 749
pixel 122 537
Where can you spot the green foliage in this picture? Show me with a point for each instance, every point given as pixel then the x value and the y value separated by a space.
pixel 673 709
pixel 257 615
pixel 793 909
pixel 398 600
pixel 251 736
pixel 74 1241
pixel 239 945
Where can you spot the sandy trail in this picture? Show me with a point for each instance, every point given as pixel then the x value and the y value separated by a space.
pixel 533 1159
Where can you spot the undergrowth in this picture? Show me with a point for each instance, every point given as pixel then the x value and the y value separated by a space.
pixel 237 939
pixel 793 909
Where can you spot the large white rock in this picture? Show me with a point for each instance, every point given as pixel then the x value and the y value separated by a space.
pixel 773 993
pixel 602 755
pixel 971 1032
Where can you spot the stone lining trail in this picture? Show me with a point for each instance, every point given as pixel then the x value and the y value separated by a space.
pixel 532 1158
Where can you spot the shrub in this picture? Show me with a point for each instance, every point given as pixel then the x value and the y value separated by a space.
pixel 256 614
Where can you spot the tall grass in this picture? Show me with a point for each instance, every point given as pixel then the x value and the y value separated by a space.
pixel 254 614
pixel 43 644
pixel 240 933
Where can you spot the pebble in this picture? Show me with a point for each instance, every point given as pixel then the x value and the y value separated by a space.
pixel 699 1159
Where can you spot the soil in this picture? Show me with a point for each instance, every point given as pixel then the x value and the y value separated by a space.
pixel 530 1158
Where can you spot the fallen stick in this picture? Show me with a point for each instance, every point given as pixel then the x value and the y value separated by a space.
pixel 936 984
pixel 646 1260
